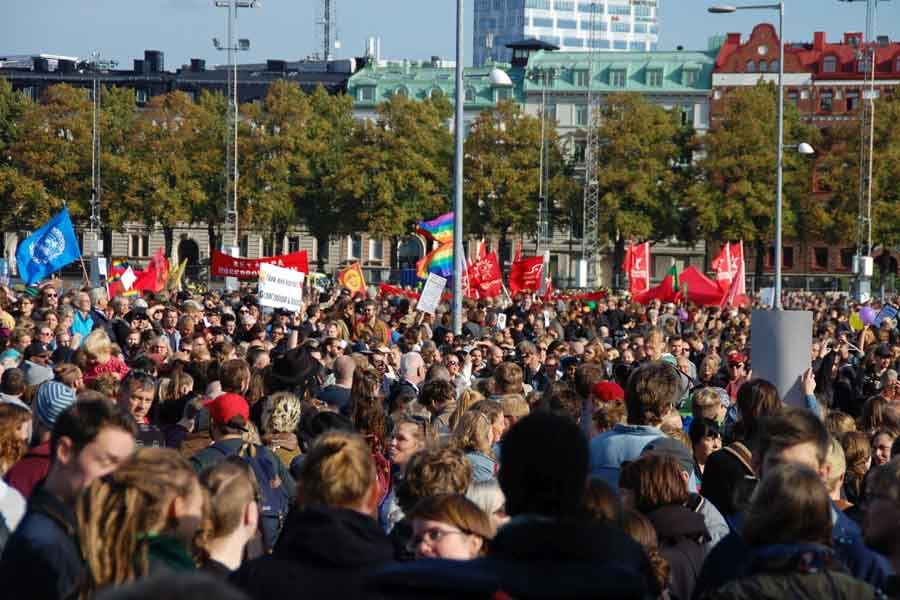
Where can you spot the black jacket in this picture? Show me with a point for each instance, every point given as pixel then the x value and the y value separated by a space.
pixel 532 557
pixel 322 552
pixel 682 537
pixel 42 559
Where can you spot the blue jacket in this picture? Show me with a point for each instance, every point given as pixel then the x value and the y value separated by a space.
pixel 730 559
pixel 483 466
pixel 42 559
pixel 611 448
pixel 82 325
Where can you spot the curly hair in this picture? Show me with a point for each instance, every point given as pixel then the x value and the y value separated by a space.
pixel 285 415
pixel 118 513
pixel 473 433
pixel 439 470
pixel 12 448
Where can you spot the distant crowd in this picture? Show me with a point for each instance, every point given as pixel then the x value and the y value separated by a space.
pixel 188 445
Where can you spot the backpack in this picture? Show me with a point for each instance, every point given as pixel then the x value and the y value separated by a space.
pixel 274 500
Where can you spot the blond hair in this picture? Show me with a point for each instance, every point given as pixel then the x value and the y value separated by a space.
pixel 837 463
pixel 96 344
pixel 705 403
pixel 232 486
pixel 338 470
pixel 473 433
pixel 465 402
pixel 285 414
pixel 118 513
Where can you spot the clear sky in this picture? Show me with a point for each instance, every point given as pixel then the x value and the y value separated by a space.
pixel 415 29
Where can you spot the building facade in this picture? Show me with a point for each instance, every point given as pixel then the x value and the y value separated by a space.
pixel 617 25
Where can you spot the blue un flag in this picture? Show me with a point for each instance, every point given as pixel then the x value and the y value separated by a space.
pixel 48 249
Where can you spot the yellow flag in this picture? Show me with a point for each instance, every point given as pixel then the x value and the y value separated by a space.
pixel 175 277
pixel 352 278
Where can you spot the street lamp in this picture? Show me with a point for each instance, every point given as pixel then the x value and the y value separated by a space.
pixel 231 143
pixel 779 157
pixel 458 176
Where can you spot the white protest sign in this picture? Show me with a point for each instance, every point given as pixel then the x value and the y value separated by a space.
pixel 431 294
pixel 501 321
pixel 128 278
pixel 280 287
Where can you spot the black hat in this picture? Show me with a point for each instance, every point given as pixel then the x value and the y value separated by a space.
pixel 36 349
pixel 296 368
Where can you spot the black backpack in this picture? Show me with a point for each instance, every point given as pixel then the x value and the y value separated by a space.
pixel 275 502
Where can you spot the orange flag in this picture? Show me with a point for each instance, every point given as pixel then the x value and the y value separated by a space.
pixel 352 278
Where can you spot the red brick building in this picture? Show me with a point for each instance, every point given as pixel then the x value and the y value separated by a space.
pixel 826 81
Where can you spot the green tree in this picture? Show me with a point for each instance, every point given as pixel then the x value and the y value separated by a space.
pixel 397 169
pixel 502 173
pixel 839 171
pixel 638 172
pixel 17 190
pixel 734 196
pixel 207 158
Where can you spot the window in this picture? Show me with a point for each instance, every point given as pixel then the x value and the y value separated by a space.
pixel 541 22
pixel 619 27
pixel 829 65
pixel 763 66
pixel 588 8
pixel 141 96
pixel 601 44
pixel 804 94
pixel 580 150
pixel 787 257
pixel 617 78
pixel 640 28
pixel 540 4
pixel 654 77
pixel 470 94
pixel 513 4
pixel 498 4
pixel 482 5
pixel 773 66
pixel 690 77
pixel 140 245
pixel 751 66
pixel 244 245
pixel 643 10
pixel 367 93
pixel 620 45
pixel 580 78
pixel 573 42
pixel 862 65
pixel 619 9
pixel 826 101
pixel 564 5
pixel 687 115
pixel 354 247
pixel 581 114
pixel 503 94
pixel 551 113
pixel 654 29
pixel 847 255
pixel 322 249
pixel 376 249
pixel 852 100
pixel 401 91
pixel 294 243
pixel 820 258
pixel 793 96
pixel 567 23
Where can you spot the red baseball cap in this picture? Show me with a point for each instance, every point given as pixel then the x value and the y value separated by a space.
pixel 608 391
pixel 227 406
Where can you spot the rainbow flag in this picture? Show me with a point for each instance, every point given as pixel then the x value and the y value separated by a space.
pixel 439 261
pixel 439 229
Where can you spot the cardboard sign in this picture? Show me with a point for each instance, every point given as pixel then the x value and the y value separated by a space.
pixel 431 294
pixel 280 287
pixel 781 342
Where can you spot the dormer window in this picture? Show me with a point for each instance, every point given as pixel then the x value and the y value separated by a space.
pixel 401 91
pixel 617 78
pixel 470 94
pixel 829 65
pixel 654 77
pixel 366 93
pixel 435 92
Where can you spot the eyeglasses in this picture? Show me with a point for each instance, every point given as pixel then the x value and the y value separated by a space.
pixel 46 333
pixel 432 536
pixel 50 295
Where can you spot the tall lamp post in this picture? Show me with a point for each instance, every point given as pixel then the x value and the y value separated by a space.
pixel 231 46
pixel 458 176
pixel 803 148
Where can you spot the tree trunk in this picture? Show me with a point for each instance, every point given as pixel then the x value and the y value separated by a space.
pixel 169 237
pixel 211 237
pixel 760 260
pixel 320 260
pixel 395 253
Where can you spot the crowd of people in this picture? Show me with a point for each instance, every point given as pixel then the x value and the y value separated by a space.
pixel 185 444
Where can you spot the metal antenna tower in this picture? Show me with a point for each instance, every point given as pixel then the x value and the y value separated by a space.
pixel 591 204
pixel 326 35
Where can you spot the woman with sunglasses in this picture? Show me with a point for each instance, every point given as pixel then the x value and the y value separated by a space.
pixel 449 526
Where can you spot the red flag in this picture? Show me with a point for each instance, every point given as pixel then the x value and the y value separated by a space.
pixel 727 264
pixel 485 276
pixel 518 255
pixel 482 250
pixel 637 267
pixel 526 274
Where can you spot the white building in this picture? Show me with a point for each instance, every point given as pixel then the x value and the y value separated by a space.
pixel 618 25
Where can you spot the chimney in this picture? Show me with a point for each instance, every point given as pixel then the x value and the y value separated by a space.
pixel 138 66
pixel 733 39
pixel 853 38
pixel 153 60
pixel 819 41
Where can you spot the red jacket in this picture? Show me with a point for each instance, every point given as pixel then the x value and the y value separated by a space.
pixel 30 469
pixel 114 365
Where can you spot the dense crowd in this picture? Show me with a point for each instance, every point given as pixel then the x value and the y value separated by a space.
pixel 182 445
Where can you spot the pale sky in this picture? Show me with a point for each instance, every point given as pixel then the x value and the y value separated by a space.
pixel 284 29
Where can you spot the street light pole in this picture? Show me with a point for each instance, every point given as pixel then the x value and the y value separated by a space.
pixel 458 176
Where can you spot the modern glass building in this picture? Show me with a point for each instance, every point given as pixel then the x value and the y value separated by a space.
pixel 619 25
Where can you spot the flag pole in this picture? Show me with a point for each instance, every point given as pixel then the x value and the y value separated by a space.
pixel 87 279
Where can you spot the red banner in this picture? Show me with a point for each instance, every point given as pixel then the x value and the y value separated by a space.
pixel 485 277
pixel 728 265
pixel 637 267
pixel 248 268
pixel 525 274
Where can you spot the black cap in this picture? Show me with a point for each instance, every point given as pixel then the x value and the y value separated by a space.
pixel 36 349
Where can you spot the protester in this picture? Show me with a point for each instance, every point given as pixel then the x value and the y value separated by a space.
pixel 475 436
pixel 42 558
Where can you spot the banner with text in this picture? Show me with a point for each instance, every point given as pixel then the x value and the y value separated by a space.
pixel 248 268
pixel 280 287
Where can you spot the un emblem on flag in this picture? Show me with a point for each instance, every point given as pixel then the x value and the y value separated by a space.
pixel 50 247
